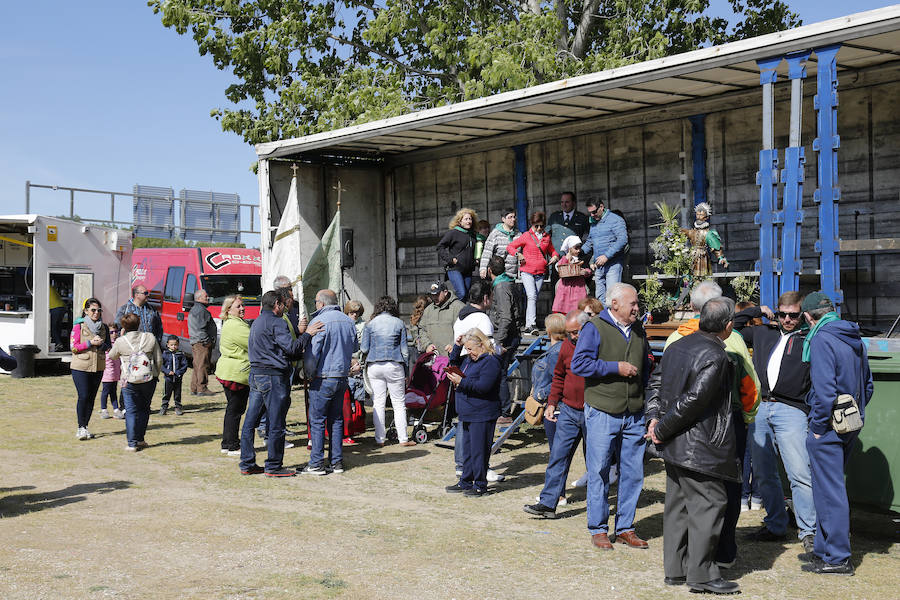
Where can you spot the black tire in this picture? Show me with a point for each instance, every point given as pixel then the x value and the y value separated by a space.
pixel 420 435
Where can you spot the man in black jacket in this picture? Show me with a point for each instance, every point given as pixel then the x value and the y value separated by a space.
pixel 689 412
pixel 506 318
pixel 780 426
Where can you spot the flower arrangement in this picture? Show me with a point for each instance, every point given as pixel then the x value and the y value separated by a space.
pixel 654 296
pixel 745 288
pixel 670 248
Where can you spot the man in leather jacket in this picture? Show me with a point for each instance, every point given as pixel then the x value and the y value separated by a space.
pixel 689 412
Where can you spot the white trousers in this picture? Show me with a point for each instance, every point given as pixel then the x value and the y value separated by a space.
pixel 388 377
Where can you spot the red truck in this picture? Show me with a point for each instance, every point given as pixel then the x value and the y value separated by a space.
pixel 170 274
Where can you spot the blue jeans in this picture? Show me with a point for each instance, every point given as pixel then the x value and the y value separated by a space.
pixel 604 278
pixel 270 395
pixel 460 283
pixel 604 433
pixel 781 429
pixel 749 491
pixel 828 457
pixel 326 409
pixel 570 429
pixel 137 410
pixel 532 285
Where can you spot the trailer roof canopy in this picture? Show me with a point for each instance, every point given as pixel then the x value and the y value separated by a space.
pixel 867 39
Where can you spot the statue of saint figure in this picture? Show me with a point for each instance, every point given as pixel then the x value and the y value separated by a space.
pixel 704 242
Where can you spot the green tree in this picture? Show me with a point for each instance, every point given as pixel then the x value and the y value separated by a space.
pixel 147 242
pixel 304 66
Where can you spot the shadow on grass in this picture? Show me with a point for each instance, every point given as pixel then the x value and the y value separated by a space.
pixel 190 407
pixel 13 506
pixel 194 439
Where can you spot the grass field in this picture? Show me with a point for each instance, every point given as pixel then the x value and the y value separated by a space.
pixel 178 520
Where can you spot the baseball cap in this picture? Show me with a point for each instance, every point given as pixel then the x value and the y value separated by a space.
pixel 815 300
pixel 437 287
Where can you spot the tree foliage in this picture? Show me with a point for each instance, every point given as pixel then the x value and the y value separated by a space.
pixel 304 66
pixel 147 242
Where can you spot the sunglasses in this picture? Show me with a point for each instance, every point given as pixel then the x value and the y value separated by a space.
pixel 781 314
pixel 141 293
pixel 95 310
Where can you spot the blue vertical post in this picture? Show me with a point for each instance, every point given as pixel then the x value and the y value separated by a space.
pixel 828 193
pixel 521 191
pixel 792 176
pixel 698 156
pixel 767 180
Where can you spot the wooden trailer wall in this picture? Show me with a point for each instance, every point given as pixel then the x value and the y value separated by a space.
pixel 631 168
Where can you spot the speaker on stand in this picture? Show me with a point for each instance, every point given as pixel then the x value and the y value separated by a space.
pixel 347 257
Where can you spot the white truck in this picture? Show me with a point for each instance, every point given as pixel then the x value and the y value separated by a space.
pixel 78 260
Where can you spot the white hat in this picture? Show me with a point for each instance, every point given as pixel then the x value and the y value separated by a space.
pixel 572 240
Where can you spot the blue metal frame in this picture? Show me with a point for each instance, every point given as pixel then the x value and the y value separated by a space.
pixel 521 189
pixel 792 176
pixel 698 157
pixel 767 180
pixel 828 193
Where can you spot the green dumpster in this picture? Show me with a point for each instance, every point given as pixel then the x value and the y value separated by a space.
pixel 873 473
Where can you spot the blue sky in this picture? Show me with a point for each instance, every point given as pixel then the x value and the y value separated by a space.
pixel 98 94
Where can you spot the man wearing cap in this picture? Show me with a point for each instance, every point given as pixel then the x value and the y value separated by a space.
pixel 780 425
pixel 838 364
pixel 436 324
pixel 606 241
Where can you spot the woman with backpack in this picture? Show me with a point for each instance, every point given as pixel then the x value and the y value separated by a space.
pixel 89 341
pixel 141 358
pixel 535 253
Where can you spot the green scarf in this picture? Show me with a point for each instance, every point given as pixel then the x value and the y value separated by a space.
pixel 501 278
pixel 463 229
pixel 826 318
pixel 593 220
pixel 511 234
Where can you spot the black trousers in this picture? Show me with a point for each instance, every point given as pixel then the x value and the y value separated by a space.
pixel 727 550
pixel 172 389
pixel 692 520
pixel 234 410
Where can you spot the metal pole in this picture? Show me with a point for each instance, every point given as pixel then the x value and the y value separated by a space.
pixel 27 197
pixel 521 192
pixel 112 208
pixel 828 193
pixel 71 203
pixel 793 175
pixel 767 180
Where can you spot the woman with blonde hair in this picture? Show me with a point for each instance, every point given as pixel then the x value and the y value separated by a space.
pixel 233 371
pixel 477 383
pixel 456 251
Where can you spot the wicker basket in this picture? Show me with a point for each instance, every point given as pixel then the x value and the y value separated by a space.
pixel 570 270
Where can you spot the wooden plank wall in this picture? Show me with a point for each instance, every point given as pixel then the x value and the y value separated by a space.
pixel 633 168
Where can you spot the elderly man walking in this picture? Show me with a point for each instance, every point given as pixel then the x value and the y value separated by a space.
pixel 328 364
pixel 838 364
pixel 271 350
pixel 689 407
pixel 203 333
pixel 613 356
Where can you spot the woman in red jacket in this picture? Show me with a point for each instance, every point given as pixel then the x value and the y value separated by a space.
pixel 535 252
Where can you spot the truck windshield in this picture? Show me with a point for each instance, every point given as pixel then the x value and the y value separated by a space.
pixel 249 287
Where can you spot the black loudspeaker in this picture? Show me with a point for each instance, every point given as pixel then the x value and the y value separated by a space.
pixel 346 247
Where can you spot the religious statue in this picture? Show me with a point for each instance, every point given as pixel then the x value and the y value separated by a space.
pixel 704 241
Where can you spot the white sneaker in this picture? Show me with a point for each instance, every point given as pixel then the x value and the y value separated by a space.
pixel 118 414
pixel 744 507
pixel 79 434
pixel 234 452
pixel 562 501
pixel 104 414
pixel 131 448
pixel 286 446
pixel 459 472
pixel 580 482
pixel 755 505
pixel 87 434
pixel 492 475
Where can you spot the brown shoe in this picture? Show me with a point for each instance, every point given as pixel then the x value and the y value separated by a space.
pixel 630 538
pixel 601 540
pixel 408 443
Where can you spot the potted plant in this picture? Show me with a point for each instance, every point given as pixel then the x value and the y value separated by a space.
pixel 655 299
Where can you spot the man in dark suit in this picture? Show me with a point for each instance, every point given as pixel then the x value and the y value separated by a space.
pixel 567 221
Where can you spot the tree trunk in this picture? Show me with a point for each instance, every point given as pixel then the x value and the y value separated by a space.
pixel 579 43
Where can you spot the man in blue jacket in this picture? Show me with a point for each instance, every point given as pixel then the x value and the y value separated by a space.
pixel 613 356
pixel 838 364
pixel 606 241
pixel 271 350
pixel 327 364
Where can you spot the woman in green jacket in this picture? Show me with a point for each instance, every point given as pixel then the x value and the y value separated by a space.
pixel 233 371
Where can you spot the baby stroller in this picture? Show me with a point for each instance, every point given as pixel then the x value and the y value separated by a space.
pixel 427 390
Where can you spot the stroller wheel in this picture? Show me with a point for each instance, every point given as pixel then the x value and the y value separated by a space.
pixel 420 435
